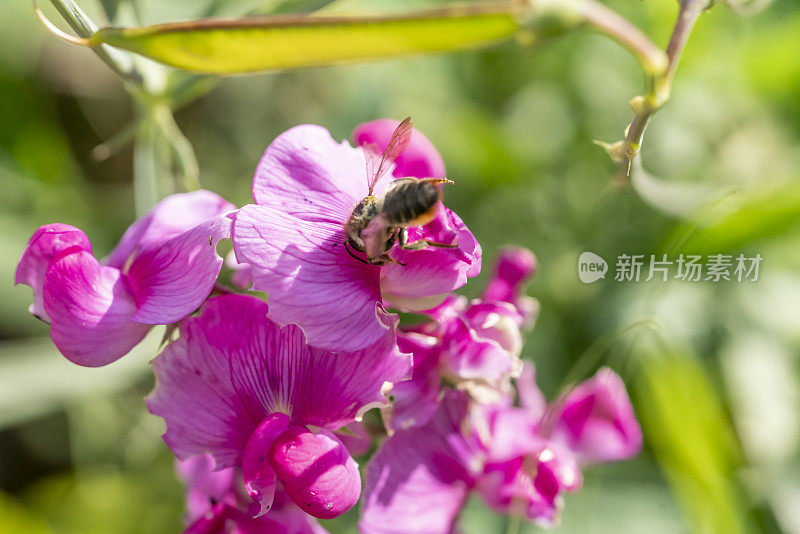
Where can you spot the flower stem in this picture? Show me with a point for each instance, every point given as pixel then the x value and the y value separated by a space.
pixel 645 106
pixel 85 28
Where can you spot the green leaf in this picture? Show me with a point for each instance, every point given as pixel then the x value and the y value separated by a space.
pixel 737 221
pixel 688 429
pixel 282 42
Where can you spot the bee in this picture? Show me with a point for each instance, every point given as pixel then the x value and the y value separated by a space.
pixel 376 224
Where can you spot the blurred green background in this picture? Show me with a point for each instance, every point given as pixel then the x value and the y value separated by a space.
pixel 712 368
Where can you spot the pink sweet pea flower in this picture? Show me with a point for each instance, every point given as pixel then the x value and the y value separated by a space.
pixel 597 422
pixel 520 460
pixel 305 189
pixel 474 344
pixel 215 504
pixel 163 268
pixel 256 396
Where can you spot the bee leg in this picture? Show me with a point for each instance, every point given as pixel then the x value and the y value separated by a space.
pixel 347 248
pixel 402 241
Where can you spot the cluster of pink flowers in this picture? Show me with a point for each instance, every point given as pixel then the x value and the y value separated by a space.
pixel 263 400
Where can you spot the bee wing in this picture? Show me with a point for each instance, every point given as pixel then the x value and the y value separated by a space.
pixel 373 158
pixel 397 144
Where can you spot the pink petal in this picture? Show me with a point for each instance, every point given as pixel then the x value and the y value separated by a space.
pixel 169 281
pixel 307 175
pixel 419 479
pixel 317 472
pixel 512 433
pixel 524 486
pixel 415 401
pixel 285 517
pixel 259 477
pixel 204 485
pixel 90 309
pixel 310 279
pixel 46 242
pixel 172 216
pixel 432 270
pixel 420 159
pixel 232 367
pixel 498 321
pixel 513 268
pixel 530 396
pixel 597 421
pixel 470 357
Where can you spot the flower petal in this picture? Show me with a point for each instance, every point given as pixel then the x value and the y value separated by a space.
pixel 204 485
pixel 415 401
pixel 305 174
pixel 597 421
pixel 470 357
pixel 316 471
pixel 530 396
pixel 46 242
pixel 420 159
pixel 419 479
pixel 169 281
pixel 171 217
pixel 90 309
pixel 259 477
pixel 231 367
pixel 432 270
pixel 513 268
pixel 310 279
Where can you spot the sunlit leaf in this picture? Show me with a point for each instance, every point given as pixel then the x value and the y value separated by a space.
pixel 267 43
pixel 737 222
pixel 692 438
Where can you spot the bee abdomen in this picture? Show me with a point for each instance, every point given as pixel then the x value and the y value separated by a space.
pixel 408 201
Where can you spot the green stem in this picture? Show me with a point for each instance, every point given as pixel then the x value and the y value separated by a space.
pixel 183 153
pixel 85 27
pixel 645 106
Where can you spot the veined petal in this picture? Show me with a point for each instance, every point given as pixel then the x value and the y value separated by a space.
pixel 305 174
pixel 597 421
pixel 231 367
pixel 420 159
pixel 44 244
pixel 433 270
pixel 316 471
pixel 171 217
pixel 419 479
pixel 169 281
pixel 310 279
pixel 90 309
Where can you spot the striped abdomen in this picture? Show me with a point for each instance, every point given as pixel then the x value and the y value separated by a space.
pixel 411 202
